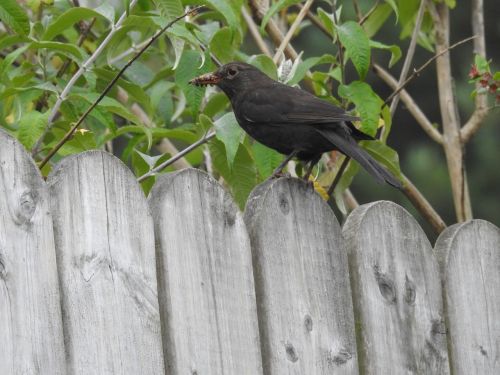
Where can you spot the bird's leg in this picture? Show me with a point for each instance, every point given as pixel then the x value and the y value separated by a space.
pixel 312 163
pixel 280 167
pixel 339 174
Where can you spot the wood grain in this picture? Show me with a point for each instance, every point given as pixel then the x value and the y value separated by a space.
pixel 30 316
pixel 105 253
pixel 302 281
pixel 396 293
pixel 469 255
pixel 207 297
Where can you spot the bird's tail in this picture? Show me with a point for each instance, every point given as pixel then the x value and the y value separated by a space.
pixel 354 151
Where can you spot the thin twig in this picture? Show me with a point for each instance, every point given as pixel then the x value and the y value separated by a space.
pixel 339 174
pixel 174 158
pixel 339 45
pixel 411 105
pixel 254 31
pixel 416 72
pixel 292 30
pixel 81 39
pixel 357 9
pixel 369 13
pixel 83 68
pixel 127 52
pixel 409 54
pixel 110 85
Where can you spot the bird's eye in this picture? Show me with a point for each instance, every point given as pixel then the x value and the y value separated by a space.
pixel 231 72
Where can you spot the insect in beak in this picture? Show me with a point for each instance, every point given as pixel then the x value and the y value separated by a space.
pixel 206 79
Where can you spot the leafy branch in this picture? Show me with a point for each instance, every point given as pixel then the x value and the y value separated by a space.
pixel 110 85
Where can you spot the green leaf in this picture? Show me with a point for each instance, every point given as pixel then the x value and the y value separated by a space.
pixel 386 115
pixel 327 20
pixel 266 159
pixel 67 49
pixel 394 49
pixel 109 104
pixel 377 19
pixel 385 155
pixel 266 64
pixel 150 160
pixel 229 132
pixel 368 104
pixel 67 20
pixel 345 181
pixel 392 4
pixel 224 43
pixel 170 9
pixel 243 176
pixel 14 17
pixel 215 104
pixel 307 64
pixel 357 45
pixel 226 10
pixel 189 67
pixel 276 7
pixel 451 3
pixel 31 127
pixel 482 64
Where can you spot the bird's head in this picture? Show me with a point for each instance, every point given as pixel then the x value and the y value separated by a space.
pixel 232 78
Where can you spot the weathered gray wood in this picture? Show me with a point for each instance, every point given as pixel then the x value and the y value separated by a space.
pixel 396 293
pixel 302 281
pixel 469 255
pixel 105 253
pixel 207 297
pixel 30 316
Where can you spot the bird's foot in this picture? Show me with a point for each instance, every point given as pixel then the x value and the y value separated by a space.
pixel 280 175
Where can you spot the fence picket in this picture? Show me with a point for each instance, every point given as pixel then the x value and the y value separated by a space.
pixel 396 293
pixel 469 255
pixel 207 297
pixel 30 315
pixel 105 253
pixel 302 282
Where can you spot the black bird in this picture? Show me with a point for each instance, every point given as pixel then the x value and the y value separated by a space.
pixel 290 120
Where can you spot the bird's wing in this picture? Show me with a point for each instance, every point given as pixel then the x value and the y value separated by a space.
pixel 279 103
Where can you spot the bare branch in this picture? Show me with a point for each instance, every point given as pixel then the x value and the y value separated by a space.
pixel 423 206
pixel 409 54
pixel 474 123
pixel 254 31
pixel 83 68
pixel 412 106
pixel 292 30
pixel 449 114
pixel 110 85
pixel 419 70
pixel 174 158
pixel 481 110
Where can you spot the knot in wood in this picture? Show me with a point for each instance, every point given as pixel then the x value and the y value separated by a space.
pixel 291 353
pixel 308 323
pixel 385 285
pixel 26 207
pixel 284 204
pixel 410 292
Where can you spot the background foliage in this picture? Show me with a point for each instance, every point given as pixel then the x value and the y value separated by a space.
pixel 152 111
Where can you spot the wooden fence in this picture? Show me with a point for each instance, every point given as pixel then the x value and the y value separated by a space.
pixel 97 279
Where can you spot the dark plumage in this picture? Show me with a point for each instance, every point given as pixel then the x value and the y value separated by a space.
pixel 290 120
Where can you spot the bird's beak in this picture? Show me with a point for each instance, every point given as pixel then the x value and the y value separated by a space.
pixel 206 79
